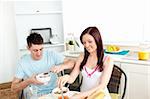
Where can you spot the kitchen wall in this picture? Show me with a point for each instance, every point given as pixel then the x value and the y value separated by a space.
pixel 122 22
pixel 8 42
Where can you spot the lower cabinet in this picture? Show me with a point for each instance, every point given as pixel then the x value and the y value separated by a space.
pixel 138 80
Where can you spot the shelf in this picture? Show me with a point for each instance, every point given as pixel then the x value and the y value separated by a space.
pixel 40 13
pixel 53 45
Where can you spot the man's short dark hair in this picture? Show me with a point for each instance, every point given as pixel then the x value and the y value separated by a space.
pixel 34 38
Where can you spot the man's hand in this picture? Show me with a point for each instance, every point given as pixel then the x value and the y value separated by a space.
pixel 33 80
pixel 56 69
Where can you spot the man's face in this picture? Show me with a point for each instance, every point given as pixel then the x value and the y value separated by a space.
pixel 36 51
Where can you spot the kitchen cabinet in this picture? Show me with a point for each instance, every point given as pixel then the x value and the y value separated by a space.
pixel 38 14
pixel 137 80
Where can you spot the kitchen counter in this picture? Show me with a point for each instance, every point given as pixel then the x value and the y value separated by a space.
pixel 131 57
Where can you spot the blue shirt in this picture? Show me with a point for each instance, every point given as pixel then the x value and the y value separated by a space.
pixel 27 67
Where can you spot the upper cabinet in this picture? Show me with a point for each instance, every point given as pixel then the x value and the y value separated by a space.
pixel 38 14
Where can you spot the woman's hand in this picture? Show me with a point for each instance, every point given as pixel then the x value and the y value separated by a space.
pixel 63 80
pixel 56 69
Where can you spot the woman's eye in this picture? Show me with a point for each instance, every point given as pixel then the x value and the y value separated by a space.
pixel 84 43
pixel 90 41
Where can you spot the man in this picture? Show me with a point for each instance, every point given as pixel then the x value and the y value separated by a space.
pixel 38 61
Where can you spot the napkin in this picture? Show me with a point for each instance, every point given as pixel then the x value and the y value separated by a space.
pixel 99 94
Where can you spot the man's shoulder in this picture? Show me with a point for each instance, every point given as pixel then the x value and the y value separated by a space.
pixel 25 57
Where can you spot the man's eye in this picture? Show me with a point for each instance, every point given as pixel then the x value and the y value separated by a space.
pixel 35 50
pixel 41 49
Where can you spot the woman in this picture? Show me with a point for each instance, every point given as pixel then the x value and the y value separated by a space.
pixel 95 68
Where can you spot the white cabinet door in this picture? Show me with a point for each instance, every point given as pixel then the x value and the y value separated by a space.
pixel 137 80
pixel 39 14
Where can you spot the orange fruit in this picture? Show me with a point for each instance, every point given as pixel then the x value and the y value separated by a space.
pixel 65 97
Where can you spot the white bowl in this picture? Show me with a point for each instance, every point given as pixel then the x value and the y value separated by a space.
pixel 43 77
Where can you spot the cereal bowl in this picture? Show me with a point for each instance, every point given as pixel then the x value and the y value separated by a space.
pixel 43 77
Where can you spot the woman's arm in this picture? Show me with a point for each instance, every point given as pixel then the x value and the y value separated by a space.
pixel 73 75
pixel 108 67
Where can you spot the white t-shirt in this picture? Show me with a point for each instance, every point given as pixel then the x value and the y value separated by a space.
pixel 91 81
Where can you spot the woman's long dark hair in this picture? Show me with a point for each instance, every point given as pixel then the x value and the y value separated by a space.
pixel 94 32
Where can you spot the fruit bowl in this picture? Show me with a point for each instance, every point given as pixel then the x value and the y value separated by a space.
pixel 113 51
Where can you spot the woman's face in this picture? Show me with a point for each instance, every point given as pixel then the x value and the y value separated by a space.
pixel 89 43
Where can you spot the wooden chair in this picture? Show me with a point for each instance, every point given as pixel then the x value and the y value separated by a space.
pixel 115 83
pixel 6 93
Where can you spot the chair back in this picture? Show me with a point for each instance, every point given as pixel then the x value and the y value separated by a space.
pixel 115 80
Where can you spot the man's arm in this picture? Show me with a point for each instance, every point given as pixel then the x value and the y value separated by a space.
pixel 18 84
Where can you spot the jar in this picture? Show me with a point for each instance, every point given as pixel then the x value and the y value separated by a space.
pixel 143 55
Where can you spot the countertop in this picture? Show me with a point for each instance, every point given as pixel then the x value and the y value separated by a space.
pixel 131 57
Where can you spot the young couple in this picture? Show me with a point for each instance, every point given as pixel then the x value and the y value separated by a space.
pixel 95 68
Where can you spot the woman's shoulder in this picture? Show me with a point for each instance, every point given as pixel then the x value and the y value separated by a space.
pixel 107 58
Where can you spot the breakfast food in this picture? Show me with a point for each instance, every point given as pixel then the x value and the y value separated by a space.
pixel 65 97
pixel 58 90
